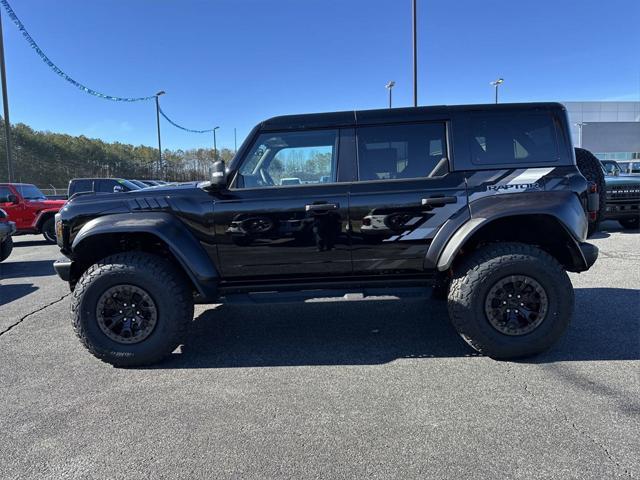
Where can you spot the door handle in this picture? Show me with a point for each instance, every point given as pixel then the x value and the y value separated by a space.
pixel 314 207
pixel 439 201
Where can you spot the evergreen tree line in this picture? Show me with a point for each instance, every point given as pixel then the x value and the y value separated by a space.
pixel 52 159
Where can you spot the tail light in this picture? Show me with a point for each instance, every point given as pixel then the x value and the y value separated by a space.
pixel 593 201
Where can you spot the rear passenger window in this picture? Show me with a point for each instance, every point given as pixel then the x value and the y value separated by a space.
pixel 511 139
pixel 402 151
pixel 82 186
pixel 105 186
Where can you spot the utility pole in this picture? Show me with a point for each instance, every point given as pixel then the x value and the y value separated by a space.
pixel 235 141
pixel 161 92
pixel 496 84
pixel 215 145
pixel 389 86
pixel 415 55
pixel 580 125
pixel 5 101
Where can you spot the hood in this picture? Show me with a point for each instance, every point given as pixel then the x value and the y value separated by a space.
pixel 611 180
pixel 92 204
pixel 46 204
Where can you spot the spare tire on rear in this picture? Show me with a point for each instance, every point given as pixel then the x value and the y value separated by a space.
pixel 591 169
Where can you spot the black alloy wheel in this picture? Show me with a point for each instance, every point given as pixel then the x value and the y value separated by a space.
pixel 516 305
pixel 126 314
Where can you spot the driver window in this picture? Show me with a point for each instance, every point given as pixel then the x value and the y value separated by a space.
pixel 289 159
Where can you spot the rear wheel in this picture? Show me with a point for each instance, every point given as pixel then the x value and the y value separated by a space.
pixel 630 223
pixel 6 246
pixel 510 300
pixel 49 230
pixel 132 309
pixel 591 169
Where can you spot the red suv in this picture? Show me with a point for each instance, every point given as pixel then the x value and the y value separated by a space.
pixel 31 211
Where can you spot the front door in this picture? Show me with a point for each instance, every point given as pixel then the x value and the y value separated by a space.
pixel 18 212
pixel 404 195
pixel 285 215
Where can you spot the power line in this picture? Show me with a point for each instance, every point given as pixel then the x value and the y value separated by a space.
pixel 181 127
pixel 12 15
pixel 58 70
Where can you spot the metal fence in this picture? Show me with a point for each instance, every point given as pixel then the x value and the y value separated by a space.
pixel 54 192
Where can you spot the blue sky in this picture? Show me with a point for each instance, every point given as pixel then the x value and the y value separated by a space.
pixel 234 62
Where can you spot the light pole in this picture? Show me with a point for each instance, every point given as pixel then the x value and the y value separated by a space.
pixel 415 54
pixel 580 125
pixel 389 86
pixel 5 101
pixel 161 92
pixel 235 141
pixel 496 84
pixel 215 145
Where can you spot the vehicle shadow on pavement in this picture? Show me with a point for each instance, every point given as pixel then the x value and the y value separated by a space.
pixel 35 268
pixel 319 333
pixel 370 332
pixel 605 326
pixel 30 243
pixel 9 293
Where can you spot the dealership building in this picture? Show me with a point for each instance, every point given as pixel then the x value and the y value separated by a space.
pixel 611 130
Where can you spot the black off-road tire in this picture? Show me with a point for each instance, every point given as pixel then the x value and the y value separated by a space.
pixel 591 169
pixel 49 230
pixel 168 287
pixel 631 223
pixel 6 246
pixel 474 278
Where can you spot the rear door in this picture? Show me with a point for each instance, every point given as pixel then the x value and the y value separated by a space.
pixel 405 192
pixel 286 213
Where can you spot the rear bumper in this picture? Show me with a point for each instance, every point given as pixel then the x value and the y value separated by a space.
pixel 589 253
pixel 62 266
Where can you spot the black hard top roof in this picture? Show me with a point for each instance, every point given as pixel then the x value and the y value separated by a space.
pixel 367 117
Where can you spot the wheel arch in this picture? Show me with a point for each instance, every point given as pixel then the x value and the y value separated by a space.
pixel 157 233
pixel 552 221
pixel 43 216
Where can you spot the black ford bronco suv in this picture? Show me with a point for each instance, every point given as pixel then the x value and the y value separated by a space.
pixel 485 202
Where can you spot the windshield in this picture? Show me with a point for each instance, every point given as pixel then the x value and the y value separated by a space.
pixel 610 167
pixel 30 192
pixel 129 185
pixel 139 183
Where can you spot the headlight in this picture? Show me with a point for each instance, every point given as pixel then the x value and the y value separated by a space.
pixel 59 238
pixel 3 214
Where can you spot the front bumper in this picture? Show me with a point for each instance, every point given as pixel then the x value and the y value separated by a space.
pixel 62 266
pixel 589 253
pixel 7 229
pixel 615 211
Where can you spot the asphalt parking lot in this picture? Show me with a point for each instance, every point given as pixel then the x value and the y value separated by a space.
pixel 332 389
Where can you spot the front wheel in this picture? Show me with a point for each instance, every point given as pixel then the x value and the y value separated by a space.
pixel 510 300
pixel 49 230
pixel 132 309
pixel 6 246
pixel 630 223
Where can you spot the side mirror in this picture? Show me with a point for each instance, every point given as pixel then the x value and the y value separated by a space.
pixel 11 198
pixel 219 175
pixel 118 189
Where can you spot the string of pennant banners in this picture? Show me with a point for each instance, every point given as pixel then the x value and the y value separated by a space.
pixel 57 70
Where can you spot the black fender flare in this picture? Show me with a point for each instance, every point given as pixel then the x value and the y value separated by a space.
pixel 563 206
pixel 181 242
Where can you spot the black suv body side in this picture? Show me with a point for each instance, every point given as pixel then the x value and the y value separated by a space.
pixel 353 199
